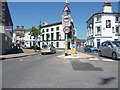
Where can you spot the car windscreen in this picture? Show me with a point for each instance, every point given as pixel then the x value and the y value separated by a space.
pixel 116 43
pixel 44 46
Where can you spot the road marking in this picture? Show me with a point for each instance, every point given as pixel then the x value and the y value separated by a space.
pixel 21 60
pixel 108 60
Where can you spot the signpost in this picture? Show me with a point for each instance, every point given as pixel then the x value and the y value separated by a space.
pixel 66 23
pixel 66 29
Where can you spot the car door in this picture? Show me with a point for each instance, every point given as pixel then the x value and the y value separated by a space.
pixel 109 49
pixel 103 48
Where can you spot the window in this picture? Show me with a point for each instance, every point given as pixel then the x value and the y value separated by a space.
pixel 117 29
pixel 57 45
pixel 57 28
pixel 43 37
pixel 108 23
pixel 52 36
pixel 43 31
pixel 116 18
pixel 47 37
pixel 98 30
pixel 98 18
pixel 103 44
pixel 47 30
pixel 57 35
pixel 52 29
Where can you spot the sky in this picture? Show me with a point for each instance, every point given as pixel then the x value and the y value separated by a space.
pixel 29 13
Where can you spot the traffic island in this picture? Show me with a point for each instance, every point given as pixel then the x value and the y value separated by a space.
pixel 78 55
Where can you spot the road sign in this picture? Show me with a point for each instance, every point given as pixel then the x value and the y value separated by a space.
pixel 66 29
pixel 66 9
pixel 8 28
pixel 66 19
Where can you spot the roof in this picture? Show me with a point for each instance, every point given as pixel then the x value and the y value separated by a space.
pixel 58 23
pixel 101 12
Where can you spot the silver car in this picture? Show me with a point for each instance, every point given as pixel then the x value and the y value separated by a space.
pixel 48 49
pixel 110 49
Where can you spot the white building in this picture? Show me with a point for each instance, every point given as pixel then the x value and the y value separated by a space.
pixel 51 34
pixel 102 26
pixel 21 36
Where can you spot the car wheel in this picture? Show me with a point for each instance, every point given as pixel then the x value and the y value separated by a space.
pixel 100 53
pixel 42 53
pixel 89 50
pixel 114 55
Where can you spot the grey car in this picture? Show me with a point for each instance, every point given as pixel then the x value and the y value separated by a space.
pixel 48 49
pixel 110 49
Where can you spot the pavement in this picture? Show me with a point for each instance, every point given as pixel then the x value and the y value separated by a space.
pixel 28 52
pixel 19 53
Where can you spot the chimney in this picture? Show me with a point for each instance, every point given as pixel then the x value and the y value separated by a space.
pixel 22 27
pixel 107 7
pixel 17 27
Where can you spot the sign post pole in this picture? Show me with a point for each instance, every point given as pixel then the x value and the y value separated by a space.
pixel 66 45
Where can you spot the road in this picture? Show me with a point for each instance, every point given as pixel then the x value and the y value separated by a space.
pixel 47 71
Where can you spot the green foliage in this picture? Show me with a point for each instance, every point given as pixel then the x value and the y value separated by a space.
pixel 35 32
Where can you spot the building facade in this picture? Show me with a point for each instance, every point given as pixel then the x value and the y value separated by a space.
pixel 51 34
pixel 102 26
pixel 21 36
pixel 6 28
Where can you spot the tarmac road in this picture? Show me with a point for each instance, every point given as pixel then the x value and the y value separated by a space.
pixel 47 71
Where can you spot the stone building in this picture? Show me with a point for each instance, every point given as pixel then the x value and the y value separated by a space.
pixel 6 28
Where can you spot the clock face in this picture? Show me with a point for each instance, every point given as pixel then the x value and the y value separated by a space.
pixel 66 29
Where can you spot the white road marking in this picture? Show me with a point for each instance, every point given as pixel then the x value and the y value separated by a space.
pixel 21 60
pixel 108 60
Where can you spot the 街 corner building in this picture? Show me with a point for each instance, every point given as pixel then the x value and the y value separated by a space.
pixel 103 26
pixel 6 28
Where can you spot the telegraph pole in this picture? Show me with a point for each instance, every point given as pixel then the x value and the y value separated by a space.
pixel 66 22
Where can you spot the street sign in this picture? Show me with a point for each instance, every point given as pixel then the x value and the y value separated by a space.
pixel 66 9
pixel 8 28
pixel 66 19
pixel 66 29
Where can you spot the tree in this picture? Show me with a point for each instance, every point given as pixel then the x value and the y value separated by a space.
pixel 35 33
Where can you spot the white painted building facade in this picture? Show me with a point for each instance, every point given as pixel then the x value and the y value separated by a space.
pixel 102 26
pixel 51 34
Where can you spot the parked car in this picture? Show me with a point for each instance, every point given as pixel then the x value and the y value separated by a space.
pixel 90 48
pixel 48 49
pixel 110 49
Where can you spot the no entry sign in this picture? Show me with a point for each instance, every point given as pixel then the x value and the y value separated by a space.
pixel 66 29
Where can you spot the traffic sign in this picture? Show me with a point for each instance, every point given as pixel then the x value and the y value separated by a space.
pixel 66 18
pixel 66 9
pixel 66 29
